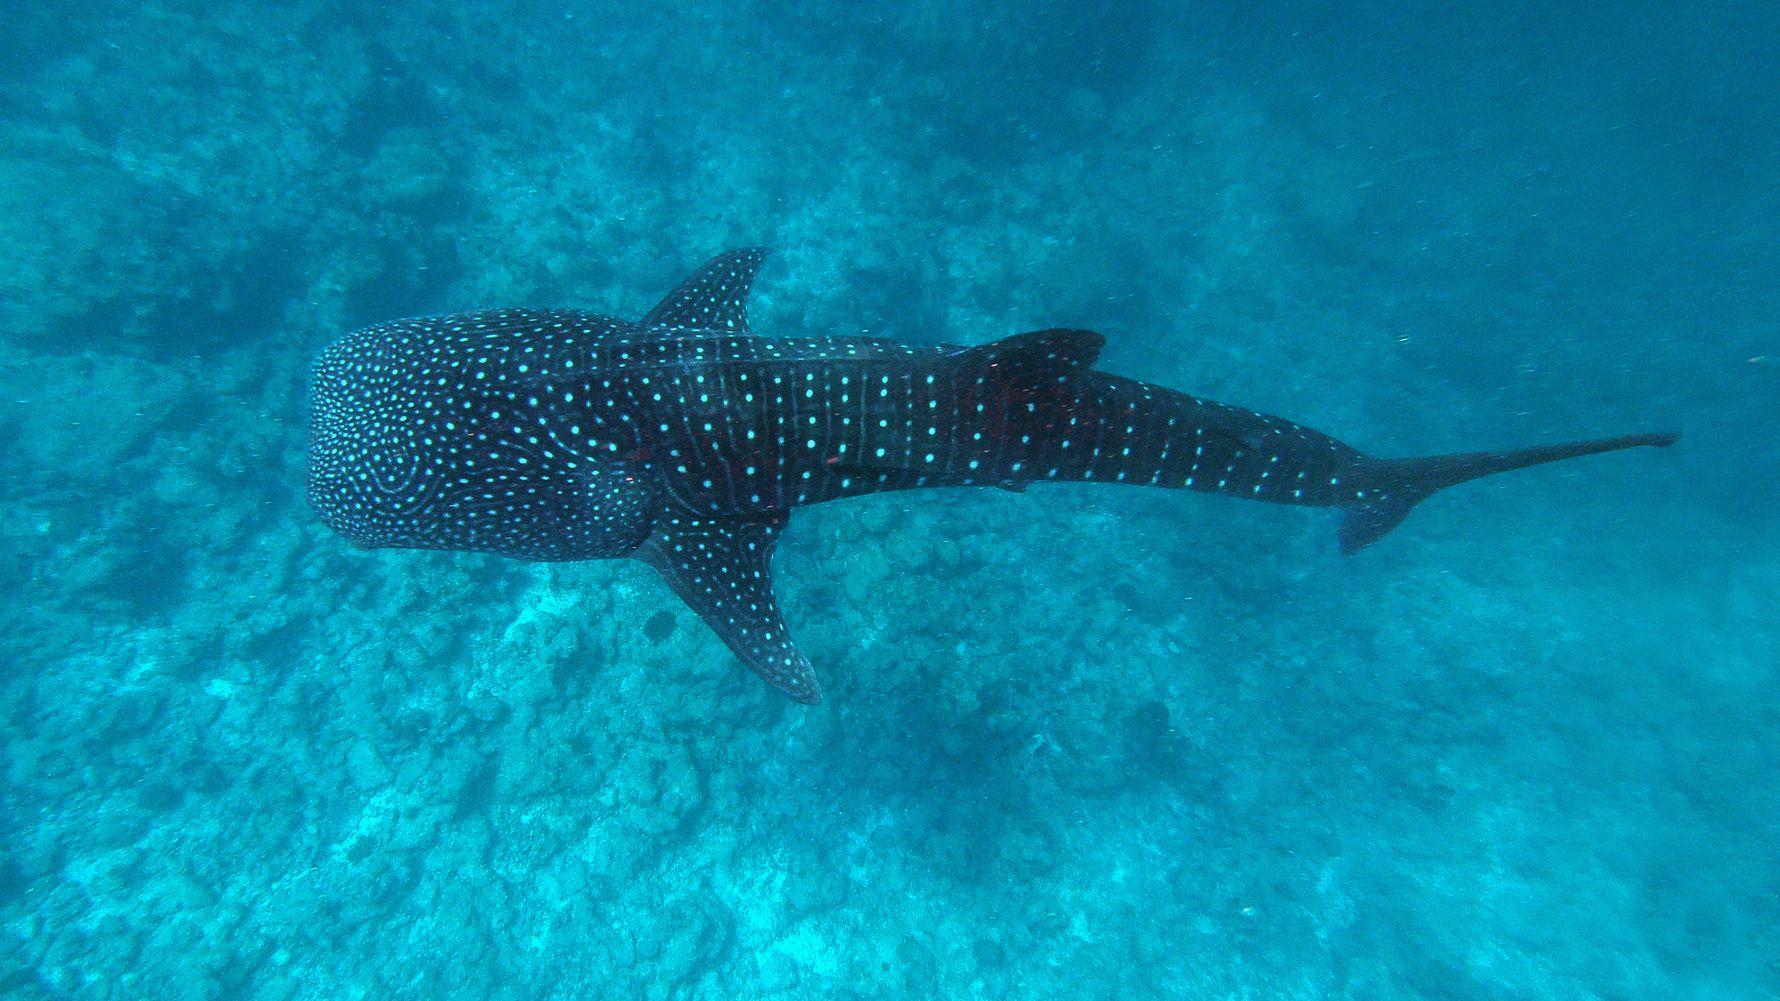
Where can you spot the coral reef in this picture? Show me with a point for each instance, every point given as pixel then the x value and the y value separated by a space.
pixel 1079 742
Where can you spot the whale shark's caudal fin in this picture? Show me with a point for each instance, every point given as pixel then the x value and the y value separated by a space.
pixel 1400 484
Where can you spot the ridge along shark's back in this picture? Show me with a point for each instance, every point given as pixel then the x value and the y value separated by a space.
pixel 685 440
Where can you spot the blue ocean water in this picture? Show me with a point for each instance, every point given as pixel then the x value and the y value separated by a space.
pixel 1079 741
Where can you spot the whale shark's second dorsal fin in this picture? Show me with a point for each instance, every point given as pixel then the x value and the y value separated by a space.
pixel 715 297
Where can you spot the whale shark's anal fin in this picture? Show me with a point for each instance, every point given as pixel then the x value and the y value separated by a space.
pixel 1362 526
pixel 722 569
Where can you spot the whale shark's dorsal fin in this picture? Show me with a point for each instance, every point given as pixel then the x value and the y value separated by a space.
pixel 715 297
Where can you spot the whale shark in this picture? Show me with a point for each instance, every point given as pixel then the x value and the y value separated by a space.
pixel 685 440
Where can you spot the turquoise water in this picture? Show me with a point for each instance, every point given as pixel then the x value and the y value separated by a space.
pixel 1078 741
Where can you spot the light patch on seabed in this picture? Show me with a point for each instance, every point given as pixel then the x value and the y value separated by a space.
pixel 806 947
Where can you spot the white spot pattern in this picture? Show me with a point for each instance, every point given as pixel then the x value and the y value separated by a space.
pixel 685 439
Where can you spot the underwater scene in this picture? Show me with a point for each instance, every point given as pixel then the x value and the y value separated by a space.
pixel 382 665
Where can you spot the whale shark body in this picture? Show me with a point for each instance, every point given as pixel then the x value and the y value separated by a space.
pixel 685 440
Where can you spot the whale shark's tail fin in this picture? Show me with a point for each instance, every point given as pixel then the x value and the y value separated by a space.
pixel 1400 484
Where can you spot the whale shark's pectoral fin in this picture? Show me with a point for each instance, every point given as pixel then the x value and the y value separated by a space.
pixel 722 569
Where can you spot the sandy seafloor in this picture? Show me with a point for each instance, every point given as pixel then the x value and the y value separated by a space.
pixel 1079 742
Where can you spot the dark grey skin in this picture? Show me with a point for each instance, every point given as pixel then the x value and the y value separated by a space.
pixel 685 440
